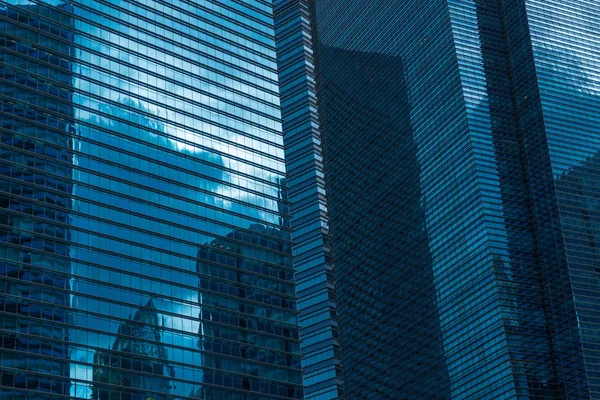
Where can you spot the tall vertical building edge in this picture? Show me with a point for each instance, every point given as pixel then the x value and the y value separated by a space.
pixel 315 274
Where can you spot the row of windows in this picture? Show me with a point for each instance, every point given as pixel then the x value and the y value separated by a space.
pixel 109 105
pixel 135 152
pixel 51 330
pixel 100 265
pixel 135 186
pixel 124 390
pixel 146 213
pixel 149 88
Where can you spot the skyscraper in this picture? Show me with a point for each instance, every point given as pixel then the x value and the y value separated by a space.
pixel 136 359
pixel 460 143
pixel 145 243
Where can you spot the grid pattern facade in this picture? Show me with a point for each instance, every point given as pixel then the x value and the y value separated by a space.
pixel 310 222
pixel 145 248
pixel 499 153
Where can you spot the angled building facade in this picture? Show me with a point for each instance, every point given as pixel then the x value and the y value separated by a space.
pixel 133 135
pixel 385 283
pixel 460 143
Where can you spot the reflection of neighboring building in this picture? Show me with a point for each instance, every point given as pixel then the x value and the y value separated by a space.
pixel 35 188
pixel 248 332
pixel 136 367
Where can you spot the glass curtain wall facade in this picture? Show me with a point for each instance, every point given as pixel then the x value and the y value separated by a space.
pixel 310 223
pixel 145 248
pixel 483 191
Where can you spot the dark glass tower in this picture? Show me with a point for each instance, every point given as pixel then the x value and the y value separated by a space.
pixel 133 134
pixel 460 142
pixel 385 282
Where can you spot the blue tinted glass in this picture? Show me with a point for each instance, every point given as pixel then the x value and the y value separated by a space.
pixel 145 241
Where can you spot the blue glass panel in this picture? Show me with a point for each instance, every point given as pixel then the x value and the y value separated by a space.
pixel 145 240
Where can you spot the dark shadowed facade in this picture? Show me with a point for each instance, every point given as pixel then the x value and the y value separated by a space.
pixel 460 143
pixel 389 320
